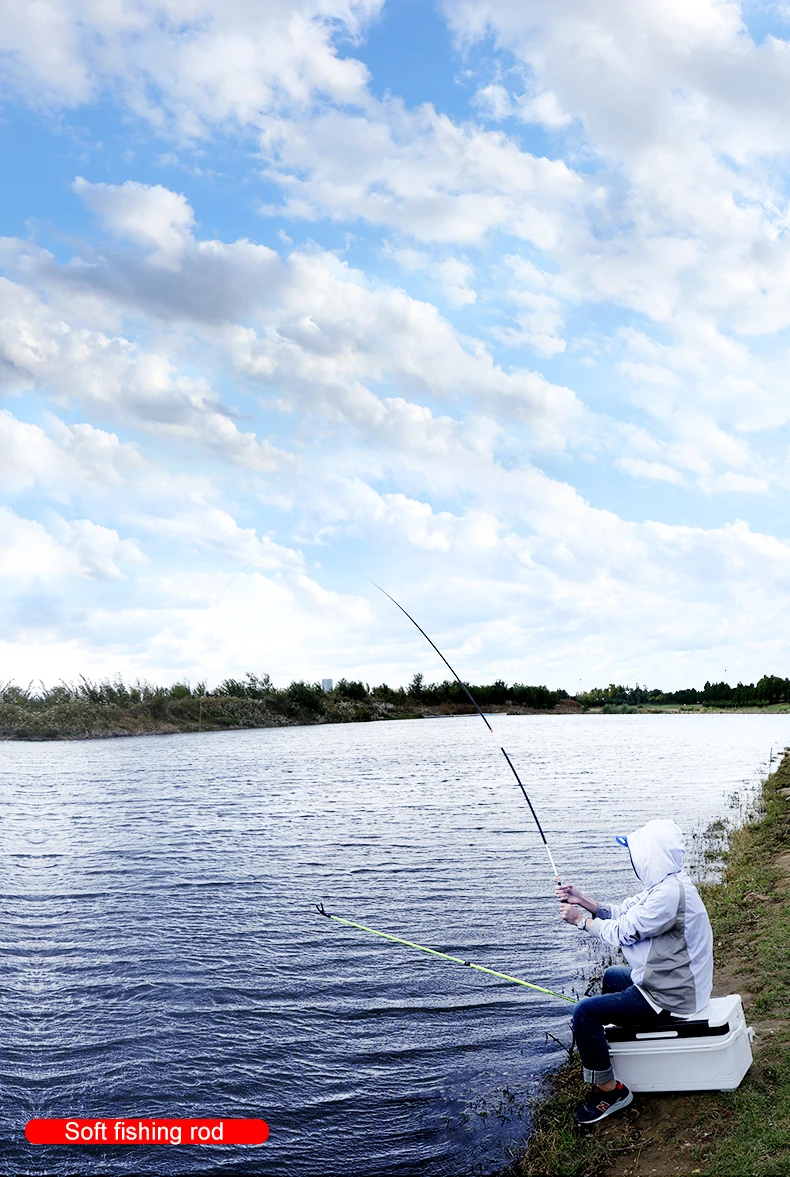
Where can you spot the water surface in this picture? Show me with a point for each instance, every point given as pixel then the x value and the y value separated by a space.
pixel 161 956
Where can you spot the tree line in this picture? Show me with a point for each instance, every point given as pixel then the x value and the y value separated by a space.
pixel 768 690
pixel 302 695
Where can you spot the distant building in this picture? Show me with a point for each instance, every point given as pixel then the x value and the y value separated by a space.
pixel 327 683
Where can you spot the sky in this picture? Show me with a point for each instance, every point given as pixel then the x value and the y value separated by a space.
pixel 488 303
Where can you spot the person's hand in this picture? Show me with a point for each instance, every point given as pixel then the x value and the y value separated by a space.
pixel 571 914
pixel 568 893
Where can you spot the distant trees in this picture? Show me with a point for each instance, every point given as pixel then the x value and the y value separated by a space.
pixel 773 690
pixel 300 694
pixel 252 686
pixel 307 695
pixel 496 694
pixel 768 690
pixel 253 700
pixel 351 690
pixel 618 695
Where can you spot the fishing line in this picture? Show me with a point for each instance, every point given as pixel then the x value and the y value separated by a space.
pixel 443 955
pixel 475 704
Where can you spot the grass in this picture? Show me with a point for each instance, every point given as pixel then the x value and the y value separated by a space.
pixel 745 1132
pixel 749 912
pixel 115 708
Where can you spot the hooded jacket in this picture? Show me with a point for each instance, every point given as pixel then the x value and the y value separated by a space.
pixel 664 931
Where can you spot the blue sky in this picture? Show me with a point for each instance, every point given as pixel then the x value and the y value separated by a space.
pixel 488 302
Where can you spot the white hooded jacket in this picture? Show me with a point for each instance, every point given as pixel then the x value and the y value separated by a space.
pixel 664 931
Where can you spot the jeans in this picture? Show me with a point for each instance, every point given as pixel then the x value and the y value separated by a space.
pixel 620 1004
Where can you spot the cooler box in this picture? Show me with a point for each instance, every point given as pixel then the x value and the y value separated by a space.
pixel 709 1052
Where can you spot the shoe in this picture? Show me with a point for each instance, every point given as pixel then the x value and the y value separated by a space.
pixel 600 1104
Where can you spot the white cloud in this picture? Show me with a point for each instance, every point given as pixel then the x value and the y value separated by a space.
pixel 335 335
pixel 73 363
pixel 80 548
pixel 352 506
pixel 659 57
pixel 75 454
pixel 656 471
pixel 454 276
pixel 99 551
pixel 687 115
pixel 149 215
pixel 321 335
pixel 649 373
pixel 533 300
pixel 420 173
pixel 731 483
pixel 196 523
pixel 186 64
pixel 27 550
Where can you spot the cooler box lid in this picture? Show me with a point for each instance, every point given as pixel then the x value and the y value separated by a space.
pixel 711 1022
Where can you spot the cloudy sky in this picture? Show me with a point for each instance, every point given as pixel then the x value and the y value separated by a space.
pixel 487 300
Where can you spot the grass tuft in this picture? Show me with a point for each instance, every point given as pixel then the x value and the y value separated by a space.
pixel 558 1147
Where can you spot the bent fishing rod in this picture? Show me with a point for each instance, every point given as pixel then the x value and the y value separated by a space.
pixel 443 955
pixel 421 947
pixel 477 708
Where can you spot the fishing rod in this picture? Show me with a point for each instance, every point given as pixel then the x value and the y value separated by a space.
pixel 476 706
pixel 443 955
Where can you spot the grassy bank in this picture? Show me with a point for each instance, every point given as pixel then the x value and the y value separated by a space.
pixel 746 1132
pixel 85 709
pixel 113 708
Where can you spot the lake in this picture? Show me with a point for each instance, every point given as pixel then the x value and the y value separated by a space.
pixel 161 956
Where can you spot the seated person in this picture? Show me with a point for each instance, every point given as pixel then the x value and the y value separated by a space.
pixel 665 935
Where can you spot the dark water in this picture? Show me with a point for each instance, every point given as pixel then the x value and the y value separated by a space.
pixel 160 955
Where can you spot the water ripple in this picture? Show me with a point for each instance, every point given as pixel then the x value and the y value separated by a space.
pixel 161 956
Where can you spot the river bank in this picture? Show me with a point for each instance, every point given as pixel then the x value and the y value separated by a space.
pixel 162 715
pixel 84 720
pixel 113 707
pixel 714 1134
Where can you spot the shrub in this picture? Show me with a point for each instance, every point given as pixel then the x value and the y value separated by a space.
pixel 309 696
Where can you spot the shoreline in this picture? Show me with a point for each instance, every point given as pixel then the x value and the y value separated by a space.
pixel 166 717
pixel 87 721
pixel 711 1133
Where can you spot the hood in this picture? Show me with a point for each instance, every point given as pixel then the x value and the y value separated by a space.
pixel 657 851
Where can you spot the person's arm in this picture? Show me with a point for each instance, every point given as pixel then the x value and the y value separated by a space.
pixel 571 914
pixel 568 893
pixel 647 915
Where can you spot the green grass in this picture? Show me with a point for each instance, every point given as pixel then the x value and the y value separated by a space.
pixel 751 1126
pixel 556 1147
pixel 745 1133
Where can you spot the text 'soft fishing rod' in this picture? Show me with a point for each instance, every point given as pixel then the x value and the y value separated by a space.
pixel 443 955
pixel 477 708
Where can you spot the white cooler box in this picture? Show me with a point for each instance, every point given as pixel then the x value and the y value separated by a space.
pixel 709 1052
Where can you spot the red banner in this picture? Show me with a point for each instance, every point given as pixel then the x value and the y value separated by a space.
pixel 130 1130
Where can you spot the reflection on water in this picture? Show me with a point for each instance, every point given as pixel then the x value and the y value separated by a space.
pixel 162 957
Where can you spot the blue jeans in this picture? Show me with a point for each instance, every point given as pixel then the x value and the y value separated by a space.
pixel 620 1004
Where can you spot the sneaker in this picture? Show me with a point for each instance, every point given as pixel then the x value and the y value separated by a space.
pixel 600 1104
